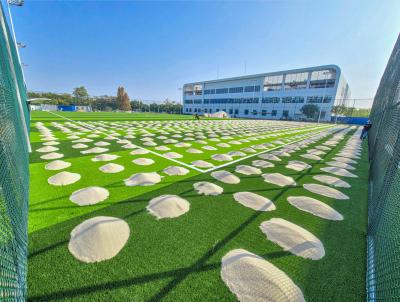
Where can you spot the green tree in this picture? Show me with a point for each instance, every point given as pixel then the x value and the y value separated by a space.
pixel 309 110
pixel 123 102
pixel 80 92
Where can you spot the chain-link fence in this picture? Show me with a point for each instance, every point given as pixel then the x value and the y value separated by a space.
pixel 14 170
pixel 383 274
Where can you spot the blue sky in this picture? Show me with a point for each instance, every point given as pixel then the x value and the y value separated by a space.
pixel 153 48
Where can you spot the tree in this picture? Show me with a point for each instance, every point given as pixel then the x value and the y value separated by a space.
pixel 122 101
pixel 80 92
pixel 309 110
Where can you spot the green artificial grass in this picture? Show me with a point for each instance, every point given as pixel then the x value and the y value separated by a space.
pixel 179 259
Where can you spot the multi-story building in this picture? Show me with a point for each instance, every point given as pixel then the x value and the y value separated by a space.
pixel 274 95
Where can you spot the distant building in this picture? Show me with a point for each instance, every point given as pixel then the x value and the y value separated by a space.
pixel 274 95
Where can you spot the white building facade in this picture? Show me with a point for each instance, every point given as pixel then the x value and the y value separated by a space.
pixel 274 95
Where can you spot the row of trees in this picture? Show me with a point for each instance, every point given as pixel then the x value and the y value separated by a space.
pixel 121 102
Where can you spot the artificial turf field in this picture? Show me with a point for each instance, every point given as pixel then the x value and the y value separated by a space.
pixel 179 259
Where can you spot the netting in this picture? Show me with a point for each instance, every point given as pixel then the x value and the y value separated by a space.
pixel 14 170
pixel 383 272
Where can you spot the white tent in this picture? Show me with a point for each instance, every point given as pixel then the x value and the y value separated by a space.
pixel 218 114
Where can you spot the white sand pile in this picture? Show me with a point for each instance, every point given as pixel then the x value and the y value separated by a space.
pixel 51 143
pixel 268 156
pixel 139 152
pixel 297 165
pixel 111 168
pixel 105 157
pixel 348 155
pixel 236 153
pixel 211 148
pixel 101 144
pixel 247 170
pixel 279 179
pixel 344 160
pixel 129 146
pixel 332 181
pixel 223 145
pixel 170 141
pixel 182 145
pixel 175 170
pixel 325 191
pixel 340 165
pixel 172 155
pixel 262 163
pixel 338 171
pixel 324 148
pixel 162 148
pixel 83 140
pixel 57 165
pixel 254 201
pixel 293 238
pixel 207 188
pixel 52 155
pixel 47 149
pixel 253 279
pixel 143 161
pixel 194 151
pixel 315 207
pixel 248 150
pixel 89 195
pixel 99 238
pixel 221 157
pixel 225 177
pixel 63 178
pixel 143 179
pixel 95 150
pixel 311 156
pixel 150 144
pixel 280 153
pixel 79 146
pixel 168 206
pixel 202 164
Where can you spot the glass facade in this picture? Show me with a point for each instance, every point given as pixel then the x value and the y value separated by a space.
pixel 323 78
pixel 296 80
pixel 273 83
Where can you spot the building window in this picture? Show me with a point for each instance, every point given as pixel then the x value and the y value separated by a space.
pixel 187 109
pixel 296 80
pixel 195 109
pixel 236 111
pixel 246 111
pixel 322 115
pixel 293 99
pixel 236 90
pixel 271 100
pixel 210 110
pixel 274 112
pixel 254 112
pixel 209 91
pixel 190 109
pixel 319 99
pixel 188 101
pixel 285 114
pixel 263 112
pixel 205 110
pixel 252 88
pixel 230 111
pixel 323 78
pixel 206 101
pixel 273 83
pixel 197 102
pixel 198 89
pixel 221 90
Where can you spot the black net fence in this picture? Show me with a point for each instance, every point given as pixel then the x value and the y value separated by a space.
pixel 14 170
pixel 383 272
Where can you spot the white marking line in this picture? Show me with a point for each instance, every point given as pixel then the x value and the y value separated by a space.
pixel 191 166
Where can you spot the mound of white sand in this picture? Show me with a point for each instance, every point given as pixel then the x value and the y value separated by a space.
pixel 143 161
pixel 340 164
pixel 89 195
pixel 175 170
pixel 269 156
pixel 253 279
pixel 225 177
pixel 57 165
pixel 194 151
pixel 325 191
pixel 223 145
pixel 202 164
pixel 99 238
pixel 297 165
pixel 248 150
pixel 168 206
pixel 207 188
pixel 111 168
pixel 51 143
pixel 63 178
pixel 101 144
pixel 79 146
pixel 139 152
pixel 254 201
pixel 344 160
pixel 143 179
pixel 105 157
pixel 94 150
pixel 247 170
pixel 311 156
pixel 221 157
pixel 332 181
pixel 293 238
pixel 279 179
pixel 172 155
pixel 236 153
pixel 52 155
pixel 338 171
pixel 47 149
pixel 162 148
pixel 315 207
pixel 262 163
pixel 209 148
